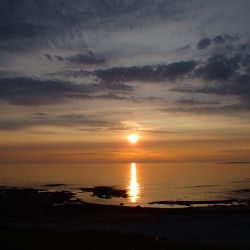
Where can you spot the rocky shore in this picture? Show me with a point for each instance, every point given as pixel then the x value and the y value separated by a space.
pixel 30 211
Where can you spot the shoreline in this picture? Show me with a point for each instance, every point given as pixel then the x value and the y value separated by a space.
pixel 212 225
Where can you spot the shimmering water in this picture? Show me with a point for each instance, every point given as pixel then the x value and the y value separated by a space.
pixel 144 182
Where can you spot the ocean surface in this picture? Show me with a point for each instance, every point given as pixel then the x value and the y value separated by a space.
pixel 143 182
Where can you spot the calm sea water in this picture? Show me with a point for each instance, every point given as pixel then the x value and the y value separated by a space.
pixel 144 182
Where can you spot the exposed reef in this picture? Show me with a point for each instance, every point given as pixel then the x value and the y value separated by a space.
pixel 208 202
pixel 106 192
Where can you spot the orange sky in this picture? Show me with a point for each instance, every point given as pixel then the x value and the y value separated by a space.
pixel 77 78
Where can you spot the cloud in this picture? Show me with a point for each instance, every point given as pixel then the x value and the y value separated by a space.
pixel 76 120
pixel 27 90
pixel 151 73
pixel 49 57
pixel 112 96
pixel 126 34
pixel 204 43
pixel 207 109
pixel 98 122
pixel 19 30
pixel 89 58
pixel 192 101
pixel 239 89
pixel 219 67
pixel 56 23
pixel 59 58
pixel 245 61
pixel 226 76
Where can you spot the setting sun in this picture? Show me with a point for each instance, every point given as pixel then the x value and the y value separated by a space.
pixel 133 138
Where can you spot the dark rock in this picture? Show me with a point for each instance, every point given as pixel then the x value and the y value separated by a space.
pixel 33 197
pixel 106 192
pixel 208 202
pixel 53 185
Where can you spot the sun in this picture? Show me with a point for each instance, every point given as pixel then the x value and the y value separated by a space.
pixel 133 138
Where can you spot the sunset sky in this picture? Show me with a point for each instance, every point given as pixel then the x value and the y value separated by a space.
pixel 77 77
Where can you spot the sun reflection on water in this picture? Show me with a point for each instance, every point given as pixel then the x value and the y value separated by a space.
pixel 134 187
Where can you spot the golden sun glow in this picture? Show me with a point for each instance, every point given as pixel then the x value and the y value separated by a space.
pixel 134 188
pixel 133 138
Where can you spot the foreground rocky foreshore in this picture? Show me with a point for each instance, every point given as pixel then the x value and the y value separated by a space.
pixel 38 212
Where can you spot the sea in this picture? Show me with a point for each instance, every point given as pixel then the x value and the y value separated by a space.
pixel 144 183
